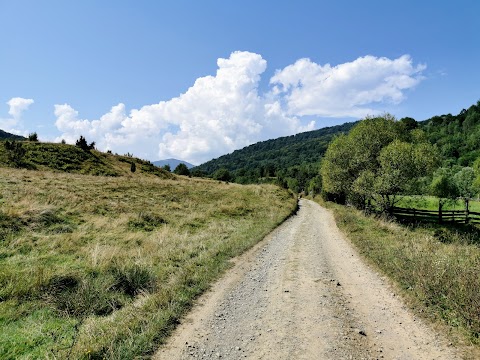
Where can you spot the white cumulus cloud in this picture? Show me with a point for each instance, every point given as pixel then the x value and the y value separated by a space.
pixel 223 112
pixel 17 106
pixel 345 90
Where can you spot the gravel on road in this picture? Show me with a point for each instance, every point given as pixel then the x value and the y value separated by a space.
pixel 303 293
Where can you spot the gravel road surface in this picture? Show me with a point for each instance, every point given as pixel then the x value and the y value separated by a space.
pixel 303 293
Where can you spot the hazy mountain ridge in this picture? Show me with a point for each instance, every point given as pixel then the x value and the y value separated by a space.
pixel 172 162
pixel 8 136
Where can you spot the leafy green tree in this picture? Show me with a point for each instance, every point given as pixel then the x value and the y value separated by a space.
pixel 379 159
pixel 222 175
pixel 443 186
pixel 335 170
pixel 33 137
pixel 182 169
pixel 402 164
pixel 315 185
pixel 465 183
pixel 167 167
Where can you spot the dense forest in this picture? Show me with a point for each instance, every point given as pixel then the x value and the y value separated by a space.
pixel 294 161
pixel 291 160
pixel 7 136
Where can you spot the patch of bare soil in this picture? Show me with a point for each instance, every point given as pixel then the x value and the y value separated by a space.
pixel 303 293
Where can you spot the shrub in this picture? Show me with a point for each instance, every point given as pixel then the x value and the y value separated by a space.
pixel 133 167
pixel 15 152
pixel 33 137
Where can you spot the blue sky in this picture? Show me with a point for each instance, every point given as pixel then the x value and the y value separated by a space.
pixel 197 79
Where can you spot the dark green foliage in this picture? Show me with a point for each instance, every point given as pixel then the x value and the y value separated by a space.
pixel 457 136
pixel 378 160
pixel 222 175
pixel 33 137
pixel 133 167
pixel 7 136
pixel 166 167
pixel 15 152
pixel 266 158
pixel 182 169
pixel 82 144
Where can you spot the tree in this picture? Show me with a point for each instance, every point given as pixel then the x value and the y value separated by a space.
pixel 443 187
pixel 166 167
pixel 33 137
pixel 133 167
pixel 182 169
pixel 335 170
pixel 464 181
pixel 82 144
pixel 402 164
pixel 222 174
pixel 379 159
pixel 315 185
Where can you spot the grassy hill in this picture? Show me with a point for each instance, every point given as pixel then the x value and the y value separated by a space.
pixel 103 266
pixel 72 159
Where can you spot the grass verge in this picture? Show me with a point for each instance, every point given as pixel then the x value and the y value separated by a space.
pixel 104 267
pixel 441 278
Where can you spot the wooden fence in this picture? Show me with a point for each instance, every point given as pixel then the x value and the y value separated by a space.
pixel 458 216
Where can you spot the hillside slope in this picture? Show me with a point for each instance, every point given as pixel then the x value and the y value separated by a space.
pixel 7 136
pixel 278 153
pixel 72 159
pixel 101 267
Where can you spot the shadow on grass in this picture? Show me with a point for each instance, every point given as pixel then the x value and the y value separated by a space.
pixel 447 232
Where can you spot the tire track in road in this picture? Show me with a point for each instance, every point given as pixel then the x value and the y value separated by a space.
pixel 303 293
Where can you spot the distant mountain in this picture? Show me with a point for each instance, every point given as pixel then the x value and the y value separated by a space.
pixel 7 136
pixel 172 162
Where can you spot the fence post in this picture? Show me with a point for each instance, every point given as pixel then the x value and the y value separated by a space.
pixel 466 210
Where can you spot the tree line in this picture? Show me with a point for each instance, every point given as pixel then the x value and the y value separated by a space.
pixel 382 159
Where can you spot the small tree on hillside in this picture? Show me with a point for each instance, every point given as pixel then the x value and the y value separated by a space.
pixel 33 137
pixel 182 169
pixel 167 167
pixel 82 144
pixel 133 167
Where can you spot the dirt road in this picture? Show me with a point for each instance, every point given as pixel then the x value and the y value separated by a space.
pixel 303 293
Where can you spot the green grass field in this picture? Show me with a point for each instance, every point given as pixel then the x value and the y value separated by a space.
pixel 431 203
pixel 103 267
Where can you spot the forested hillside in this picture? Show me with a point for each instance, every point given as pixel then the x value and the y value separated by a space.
pixel 290 157
pixel 294 161
pixel 78 159
pixel 457 136
pixel 5 135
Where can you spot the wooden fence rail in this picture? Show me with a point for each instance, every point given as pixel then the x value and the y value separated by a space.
pixel 459 216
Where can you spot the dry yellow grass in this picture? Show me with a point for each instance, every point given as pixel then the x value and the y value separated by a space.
pixel 105 266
